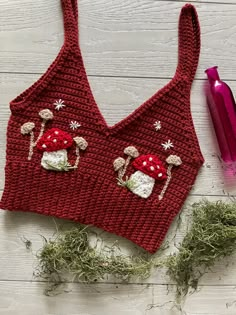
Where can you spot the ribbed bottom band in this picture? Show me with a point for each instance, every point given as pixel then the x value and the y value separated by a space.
pixel 88 200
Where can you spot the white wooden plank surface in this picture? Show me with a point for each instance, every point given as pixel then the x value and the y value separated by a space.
pixel 124 38
pixel 130 51
pixel 211 1
pixel 113 299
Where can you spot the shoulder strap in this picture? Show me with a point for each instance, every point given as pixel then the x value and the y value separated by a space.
pixel 70 15
pixel 189 41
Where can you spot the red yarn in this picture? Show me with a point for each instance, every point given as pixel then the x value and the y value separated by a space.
pixel 54 139
pixel 150 165
pixel 90 194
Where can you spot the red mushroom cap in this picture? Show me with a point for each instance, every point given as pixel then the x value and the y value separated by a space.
pixel 54 139
pixel 150 165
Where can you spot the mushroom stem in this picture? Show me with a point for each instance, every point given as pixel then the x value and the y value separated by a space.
pixel 41 131
pixel 31 147
pixel 78 157
pixel 160 197
pixel 55 160
pixel 140 184
pixel 81 144
pixel 120 174
pixel 122 171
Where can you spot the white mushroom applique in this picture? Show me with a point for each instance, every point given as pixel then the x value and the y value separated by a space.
pixel 149 169
pixel 54 144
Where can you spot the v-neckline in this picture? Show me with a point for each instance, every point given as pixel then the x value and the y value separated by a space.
pixel 110 130
pixel 188 56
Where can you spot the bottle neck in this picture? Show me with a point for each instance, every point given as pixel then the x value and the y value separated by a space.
pixel 212 74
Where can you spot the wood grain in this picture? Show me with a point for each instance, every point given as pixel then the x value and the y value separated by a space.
pixel 125 38
pixel 114 299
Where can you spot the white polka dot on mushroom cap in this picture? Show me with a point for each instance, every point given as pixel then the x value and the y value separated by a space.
pixel 44 146
pixel 158 167
pixel 152 168
pixel 144 163
pixel 150 159
pixel 160 174
pixel 56 132
pixel 54 140
pixel 49 137
pixel 65 142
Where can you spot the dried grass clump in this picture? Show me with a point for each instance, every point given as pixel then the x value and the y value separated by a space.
pixel 71 253
pixel 211 237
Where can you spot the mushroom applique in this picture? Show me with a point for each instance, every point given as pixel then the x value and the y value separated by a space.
pixel 81 144
pixel 120 165
pixel 46 115
pixel 149 169
pixel 131 153
pixel 27 129
pixel 54 144
pixel 172 160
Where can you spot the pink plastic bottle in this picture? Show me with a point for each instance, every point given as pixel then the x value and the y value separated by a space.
pixel 223 112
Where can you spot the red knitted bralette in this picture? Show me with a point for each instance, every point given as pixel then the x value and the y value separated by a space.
pixel 130 179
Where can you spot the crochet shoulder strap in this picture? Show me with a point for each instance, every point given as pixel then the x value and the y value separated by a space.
pixel 189 42
pixel 70 15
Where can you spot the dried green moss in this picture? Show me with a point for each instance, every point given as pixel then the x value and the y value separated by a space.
pixel 211 237
pixel 71 253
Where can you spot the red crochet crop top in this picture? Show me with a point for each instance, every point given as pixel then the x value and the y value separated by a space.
pixel 130 179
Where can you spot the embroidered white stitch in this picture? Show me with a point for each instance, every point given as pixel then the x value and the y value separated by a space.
pixel 172 160
pixel 27 128
pixel 74 125
pixel 157 125
pixel 167 145
pixel 81 144
pixel 59 104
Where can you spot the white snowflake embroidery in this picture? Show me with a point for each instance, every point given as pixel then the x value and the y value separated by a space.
pixel 157 125
pixel 59 104
pixel 74 125
pixel 167 145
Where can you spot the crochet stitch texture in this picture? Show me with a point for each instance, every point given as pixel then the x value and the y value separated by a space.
pixel 89 194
